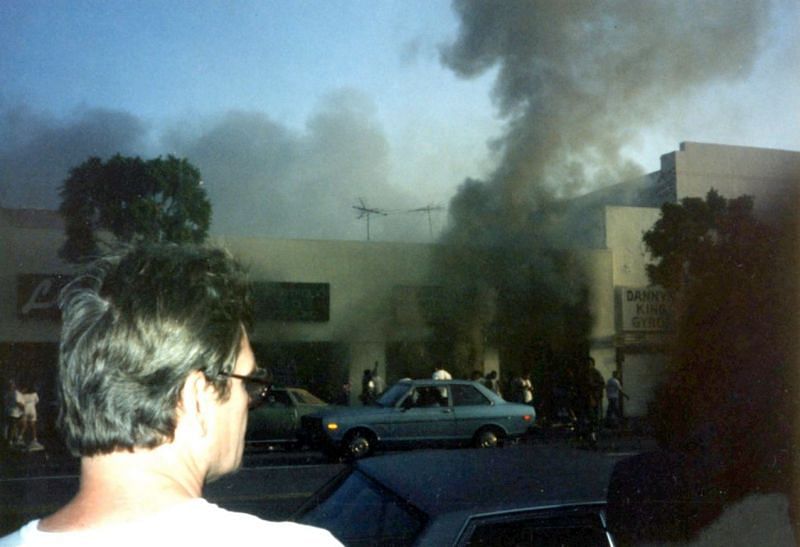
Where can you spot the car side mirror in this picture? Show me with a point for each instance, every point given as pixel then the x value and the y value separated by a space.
pixel 407 403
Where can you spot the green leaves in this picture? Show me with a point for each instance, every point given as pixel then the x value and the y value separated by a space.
pixel 129 199
pixel 696 237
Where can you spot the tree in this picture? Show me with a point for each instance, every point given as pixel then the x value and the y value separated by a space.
pixel 733 278
pixel 128 199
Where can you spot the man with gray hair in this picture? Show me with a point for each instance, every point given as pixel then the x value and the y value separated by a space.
pixel 156 374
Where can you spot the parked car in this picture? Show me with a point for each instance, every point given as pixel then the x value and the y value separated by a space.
pixel 277 420
pixel 525 495
pixel 414 413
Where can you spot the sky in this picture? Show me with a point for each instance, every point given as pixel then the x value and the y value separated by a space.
pixel 296 110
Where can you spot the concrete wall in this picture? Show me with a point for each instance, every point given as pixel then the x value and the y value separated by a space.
pixel 26 249
pixel 771 176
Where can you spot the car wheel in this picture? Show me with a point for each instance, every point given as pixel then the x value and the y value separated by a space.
pixel 358 444
pixel 488 437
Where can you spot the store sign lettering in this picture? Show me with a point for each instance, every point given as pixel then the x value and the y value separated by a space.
pixel 646 309
pixel 37 295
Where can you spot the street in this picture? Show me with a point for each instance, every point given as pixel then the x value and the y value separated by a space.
pixel 271 483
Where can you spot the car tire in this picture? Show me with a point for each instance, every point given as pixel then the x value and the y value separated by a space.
pixel 358 444
pixel 488 437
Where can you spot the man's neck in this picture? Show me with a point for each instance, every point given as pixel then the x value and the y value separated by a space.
pixel 124 486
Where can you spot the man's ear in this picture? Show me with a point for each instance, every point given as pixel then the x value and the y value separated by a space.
pixel 196 402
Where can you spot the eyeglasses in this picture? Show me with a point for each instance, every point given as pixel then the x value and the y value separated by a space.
pixel 258 385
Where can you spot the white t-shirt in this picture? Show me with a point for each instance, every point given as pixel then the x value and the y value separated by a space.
pixel 612 388
pixel 29 401
pixel 441 374
pixel 193 523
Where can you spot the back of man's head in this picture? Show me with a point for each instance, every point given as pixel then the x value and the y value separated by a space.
pixel 134 326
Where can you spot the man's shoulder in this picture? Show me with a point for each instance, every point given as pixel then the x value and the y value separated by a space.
pixel 180 524
pixel 248 526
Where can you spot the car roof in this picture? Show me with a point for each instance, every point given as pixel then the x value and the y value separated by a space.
pixel 427 381
pixel 485 480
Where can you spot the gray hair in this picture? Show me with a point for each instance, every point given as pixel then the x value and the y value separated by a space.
pixel 134 326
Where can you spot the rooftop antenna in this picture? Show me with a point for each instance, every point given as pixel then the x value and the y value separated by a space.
pixel 427 209
pixel 366 212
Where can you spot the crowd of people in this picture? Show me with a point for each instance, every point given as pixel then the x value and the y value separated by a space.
pixel 574 400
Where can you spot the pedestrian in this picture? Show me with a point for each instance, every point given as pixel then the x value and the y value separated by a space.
pixel 367 388
pixel 590 399
pixel 523 389
pixel 13 409
pixel 377 379
pixel 343 398
pixel 156 374
pixel 29 401
pixel 492 382
pixel 613 393
pixel 439 373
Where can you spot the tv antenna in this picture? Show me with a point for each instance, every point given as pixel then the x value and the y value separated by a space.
pixel 366 212
pixel 427 209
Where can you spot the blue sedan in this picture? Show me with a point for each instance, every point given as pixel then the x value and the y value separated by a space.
pixel 415 413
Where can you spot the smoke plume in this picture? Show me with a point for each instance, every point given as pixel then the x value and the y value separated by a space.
pixel 263 178
pixel 37 150
pixel 576 83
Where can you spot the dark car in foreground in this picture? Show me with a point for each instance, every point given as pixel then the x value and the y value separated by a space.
pixel 278 419
pixel 416 413
pixel 525 495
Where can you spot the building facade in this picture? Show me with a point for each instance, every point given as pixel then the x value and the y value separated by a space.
pixel 328 310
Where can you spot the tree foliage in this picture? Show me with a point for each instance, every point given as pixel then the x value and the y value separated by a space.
pixel 733 277
pixel 129 199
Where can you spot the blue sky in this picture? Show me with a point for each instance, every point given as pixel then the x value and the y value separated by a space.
pixel 174 76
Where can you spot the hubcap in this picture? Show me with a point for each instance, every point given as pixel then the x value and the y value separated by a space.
pixel 359 446
pixel 488 440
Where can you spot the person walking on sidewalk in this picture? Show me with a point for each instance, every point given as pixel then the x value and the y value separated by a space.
pixel 613 393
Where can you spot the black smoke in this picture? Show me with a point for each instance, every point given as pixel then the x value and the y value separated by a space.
pixel 264 179
pixel 577 82
pixel 37 150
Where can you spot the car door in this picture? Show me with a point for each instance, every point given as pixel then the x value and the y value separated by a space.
pixel 471 410
pixel 276 419
pixel 424 416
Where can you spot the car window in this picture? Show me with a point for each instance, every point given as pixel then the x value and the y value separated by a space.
pixel 393 395
pixel 468 396
pixel 360 512
pixel 554 531
pixel 427 396
pixel 304 397
pixel 278 399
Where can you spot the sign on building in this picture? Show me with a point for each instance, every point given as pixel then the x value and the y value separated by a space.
pixel 37 295
pixel 645 309
pixel 302 302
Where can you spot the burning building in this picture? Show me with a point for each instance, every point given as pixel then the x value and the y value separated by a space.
pixel 567 282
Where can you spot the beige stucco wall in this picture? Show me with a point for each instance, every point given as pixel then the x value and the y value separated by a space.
pixel 31 251
pixel 362 277
pixel 625 227
pixel 771 176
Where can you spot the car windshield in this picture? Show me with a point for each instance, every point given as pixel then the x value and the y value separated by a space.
pixel 393 395
pixel 361 512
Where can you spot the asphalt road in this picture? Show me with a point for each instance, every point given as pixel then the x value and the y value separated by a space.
pixel 271 484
